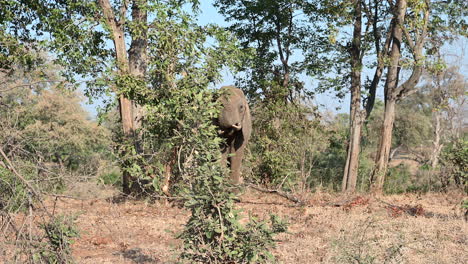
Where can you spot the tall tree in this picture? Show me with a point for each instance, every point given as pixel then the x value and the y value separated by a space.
pixel 420 29
pixel 278 33
pixel 392 90
pixel 374 25
pixel 344 57
pixel 132 62
pixel 356 117
pixel 275 30
pixel 78 33
pixel 445 89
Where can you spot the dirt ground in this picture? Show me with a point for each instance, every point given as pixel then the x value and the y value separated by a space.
pixel 327 228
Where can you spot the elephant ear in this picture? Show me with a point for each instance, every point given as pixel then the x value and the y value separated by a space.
pixel 246 122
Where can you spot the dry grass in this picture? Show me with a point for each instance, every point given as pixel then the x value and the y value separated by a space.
pixel 329 229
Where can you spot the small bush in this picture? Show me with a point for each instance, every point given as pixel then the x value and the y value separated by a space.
pixel 213 233
pixel 362 244
pixel 398 180
pixel 111 178
pixel 366 164
pixel 13 193
pixel 329 163
pixel 285 145
pixel 60 232
pixel 454 161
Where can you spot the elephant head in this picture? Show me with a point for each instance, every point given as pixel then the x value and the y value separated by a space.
pixel 235 112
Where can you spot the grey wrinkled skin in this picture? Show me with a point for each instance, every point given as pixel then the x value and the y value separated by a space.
pixel 235 125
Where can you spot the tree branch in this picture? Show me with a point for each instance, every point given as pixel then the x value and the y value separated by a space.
pixel 109 15
pixel 290 28
pixel 370 100
pixel 25 182
pixel 278 41
pixel 408 38
pixel 27 84
pixel 408 86
pixel 123 12
pixel 280 193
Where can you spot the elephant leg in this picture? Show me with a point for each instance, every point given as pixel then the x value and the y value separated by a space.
pixel 235 164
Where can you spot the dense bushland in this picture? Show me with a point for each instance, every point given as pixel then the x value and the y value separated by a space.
pixel 155 68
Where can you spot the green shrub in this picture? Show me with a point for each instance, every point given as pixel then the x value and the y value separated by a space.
pixel 286 140
pixel 398 180
pixel 328 164
pixel 213 233
pixel 366 165
pixel 454 161
pixel 13 193
pixel 60 232
pixel 111 178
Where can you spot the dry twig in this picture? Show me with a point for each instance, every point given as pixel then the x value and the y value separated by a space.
pixel 278 192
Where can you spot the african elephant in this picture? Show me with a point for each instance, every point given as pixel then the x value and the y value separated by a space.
pixel 235 125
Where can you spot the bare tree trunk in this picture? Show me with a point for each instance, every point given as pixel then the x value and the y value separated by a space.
pixel 352 161
pixel 393 91
pixel 383 152
pixel 137 55
pixel 381 53
pixel 126 105
pixel 350 173
pixel 437 145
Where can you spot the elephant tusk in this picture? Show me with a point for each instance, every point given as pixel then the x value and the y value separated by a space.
pixel 237 127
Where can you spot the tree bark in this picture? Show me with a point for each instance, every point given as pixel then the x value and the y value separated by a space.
pixel 126 105
pixel 392 90
pixel 383 154
pixel 352 161
pixel 137 55
pixel 381 53
pixel 437 145
pixel 391 85
pixel 137 63
pixel 351 170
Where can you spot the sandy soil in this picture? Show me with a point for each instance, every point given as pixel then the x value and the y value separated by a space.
pixel 327 229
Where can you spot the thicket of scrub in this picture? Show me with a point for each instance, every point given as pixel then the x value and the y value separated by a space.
pixel 156 125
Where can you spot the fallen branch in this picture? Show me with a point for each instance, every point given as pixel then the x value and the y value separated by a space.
pixel 350 203
pixel 278 192
pixel 396 210
pixel 59 196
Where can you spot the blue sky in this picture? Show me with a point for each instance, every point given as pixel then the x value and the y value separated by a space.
pixel 209 15
pixel 456 54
